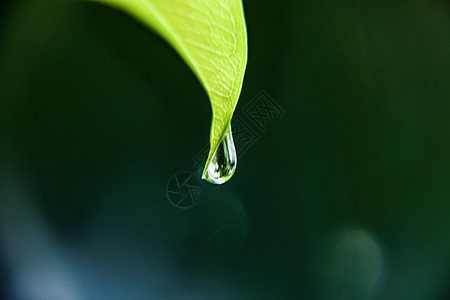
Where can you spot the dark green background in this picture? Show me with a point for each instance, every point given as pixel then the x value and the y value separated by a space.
pixel 345 197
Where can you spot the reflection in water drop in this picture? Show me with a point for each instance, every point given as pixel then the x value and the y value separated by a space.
pixel 224 161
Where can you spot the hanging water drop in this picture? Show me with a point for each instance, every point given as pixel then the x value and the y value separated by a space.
pixel 224 161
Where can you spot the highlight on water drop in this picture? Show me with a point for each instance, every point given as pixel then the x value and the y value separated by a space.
pixel 224 161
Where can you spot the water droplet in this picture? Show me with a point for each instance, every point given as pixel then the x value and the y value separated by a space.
pixel 224 161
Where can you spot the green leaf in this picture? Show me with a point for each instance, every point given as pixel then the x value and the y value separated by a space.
pixel 210 35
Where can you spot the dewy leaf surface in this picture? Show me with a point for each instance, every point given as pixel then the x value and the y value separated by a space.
pixel 210 35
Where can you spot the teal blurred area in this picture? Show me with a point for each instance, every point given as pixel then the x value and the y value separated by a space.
pixel 347 196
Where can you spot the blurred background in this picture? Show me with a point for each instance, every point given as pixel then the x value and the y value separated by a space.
pixel 346 196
